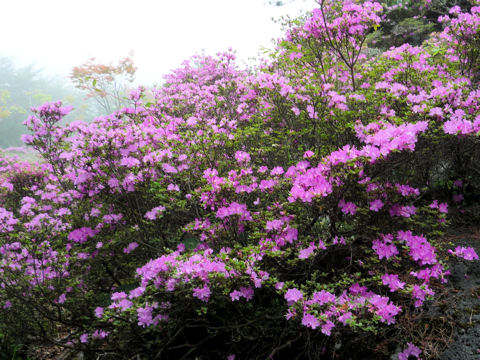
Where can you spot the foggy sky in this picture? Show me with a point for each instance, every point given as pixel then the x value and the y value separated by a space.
pixel 59 34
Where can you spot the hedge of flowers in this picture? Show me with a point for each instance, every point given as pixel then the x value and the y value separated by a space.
pixel 252 213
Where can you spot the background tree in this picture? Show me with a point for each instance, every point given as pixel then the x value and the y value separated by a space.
pixel 24 87
pixel 106 83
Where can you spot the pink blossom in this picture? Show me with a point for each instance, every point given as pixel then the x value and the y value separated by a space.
pixel 310 321
pixel 327 327
pixel 7 305
pixel 202 293
pixel 242 157
pixel 347 207
pixel 132 246
pixel 393 282
pixel 305 253
pixel 409 352
pixel 62 298
pixel 245 292
pixel 293 295
pixel 466 253
pixel 323 297
pixel 376 205
pixel 308 154
pixel 99 312
pixel 278 170
pixel 153 214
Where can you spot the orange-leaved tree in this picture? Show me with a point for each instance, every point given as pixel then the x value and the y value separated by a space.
pixel 106 83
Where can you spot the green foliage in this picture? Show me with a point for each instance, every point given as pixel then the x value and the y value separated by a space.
pixel 22 88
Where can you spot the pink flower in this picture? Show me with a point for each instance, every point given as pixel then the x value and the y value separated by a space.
pixel 385 309
pixel 278 170
pixel 242 157
pixel 7 305
pixel 153 214
pixel 173 187
pixel 293 295
pixel 81 235
pixel 376 205
pixel 385 248
pixel 100 334
pixel 310 321
pixel 245 292
pixel 169 169
pixel 202 293
pixel 119 295
pixel 305 253
pixel 323 297
pixel 99 312
pixel 327 327
pixel 347 207
pixel 443 208
pixel 274 225
pixel 436 112
pixel 132 246
pixel 409 352
pixel 465 253
pixel 393 282
pixel 308 154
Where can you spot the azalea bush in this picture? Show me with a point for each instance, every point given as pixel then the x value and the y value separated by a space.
pixel 287 210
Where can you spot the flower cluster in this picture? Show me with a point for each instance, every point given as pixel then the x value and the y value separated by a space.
pixel 304 191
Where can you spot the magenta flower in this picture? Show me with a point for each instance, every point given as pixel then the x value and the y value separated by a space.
pixel 132 246
pixel 62 298
pixel 465 253
pixel 322 297
pixel 310 321
pixel 153 214
pixel 327 327
pixel 278 170
pixel 82 235
pixel 384 248
pixel 99 312
pixel 293 295
pixel 347 207
pixel 202 293
pixel 305 253
pixel 245 292
pixel 392 281
pixel 409 352
pixel 376 205
pixel 242 157
pixel 308 154
pixel 7 305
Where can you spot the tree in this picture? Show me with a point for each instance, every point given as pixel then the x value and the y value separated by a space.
pixel 20 89
pixel 106 83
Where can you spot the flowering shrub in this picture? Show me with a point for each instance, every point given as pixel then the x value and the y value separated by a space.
pixel 294 204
